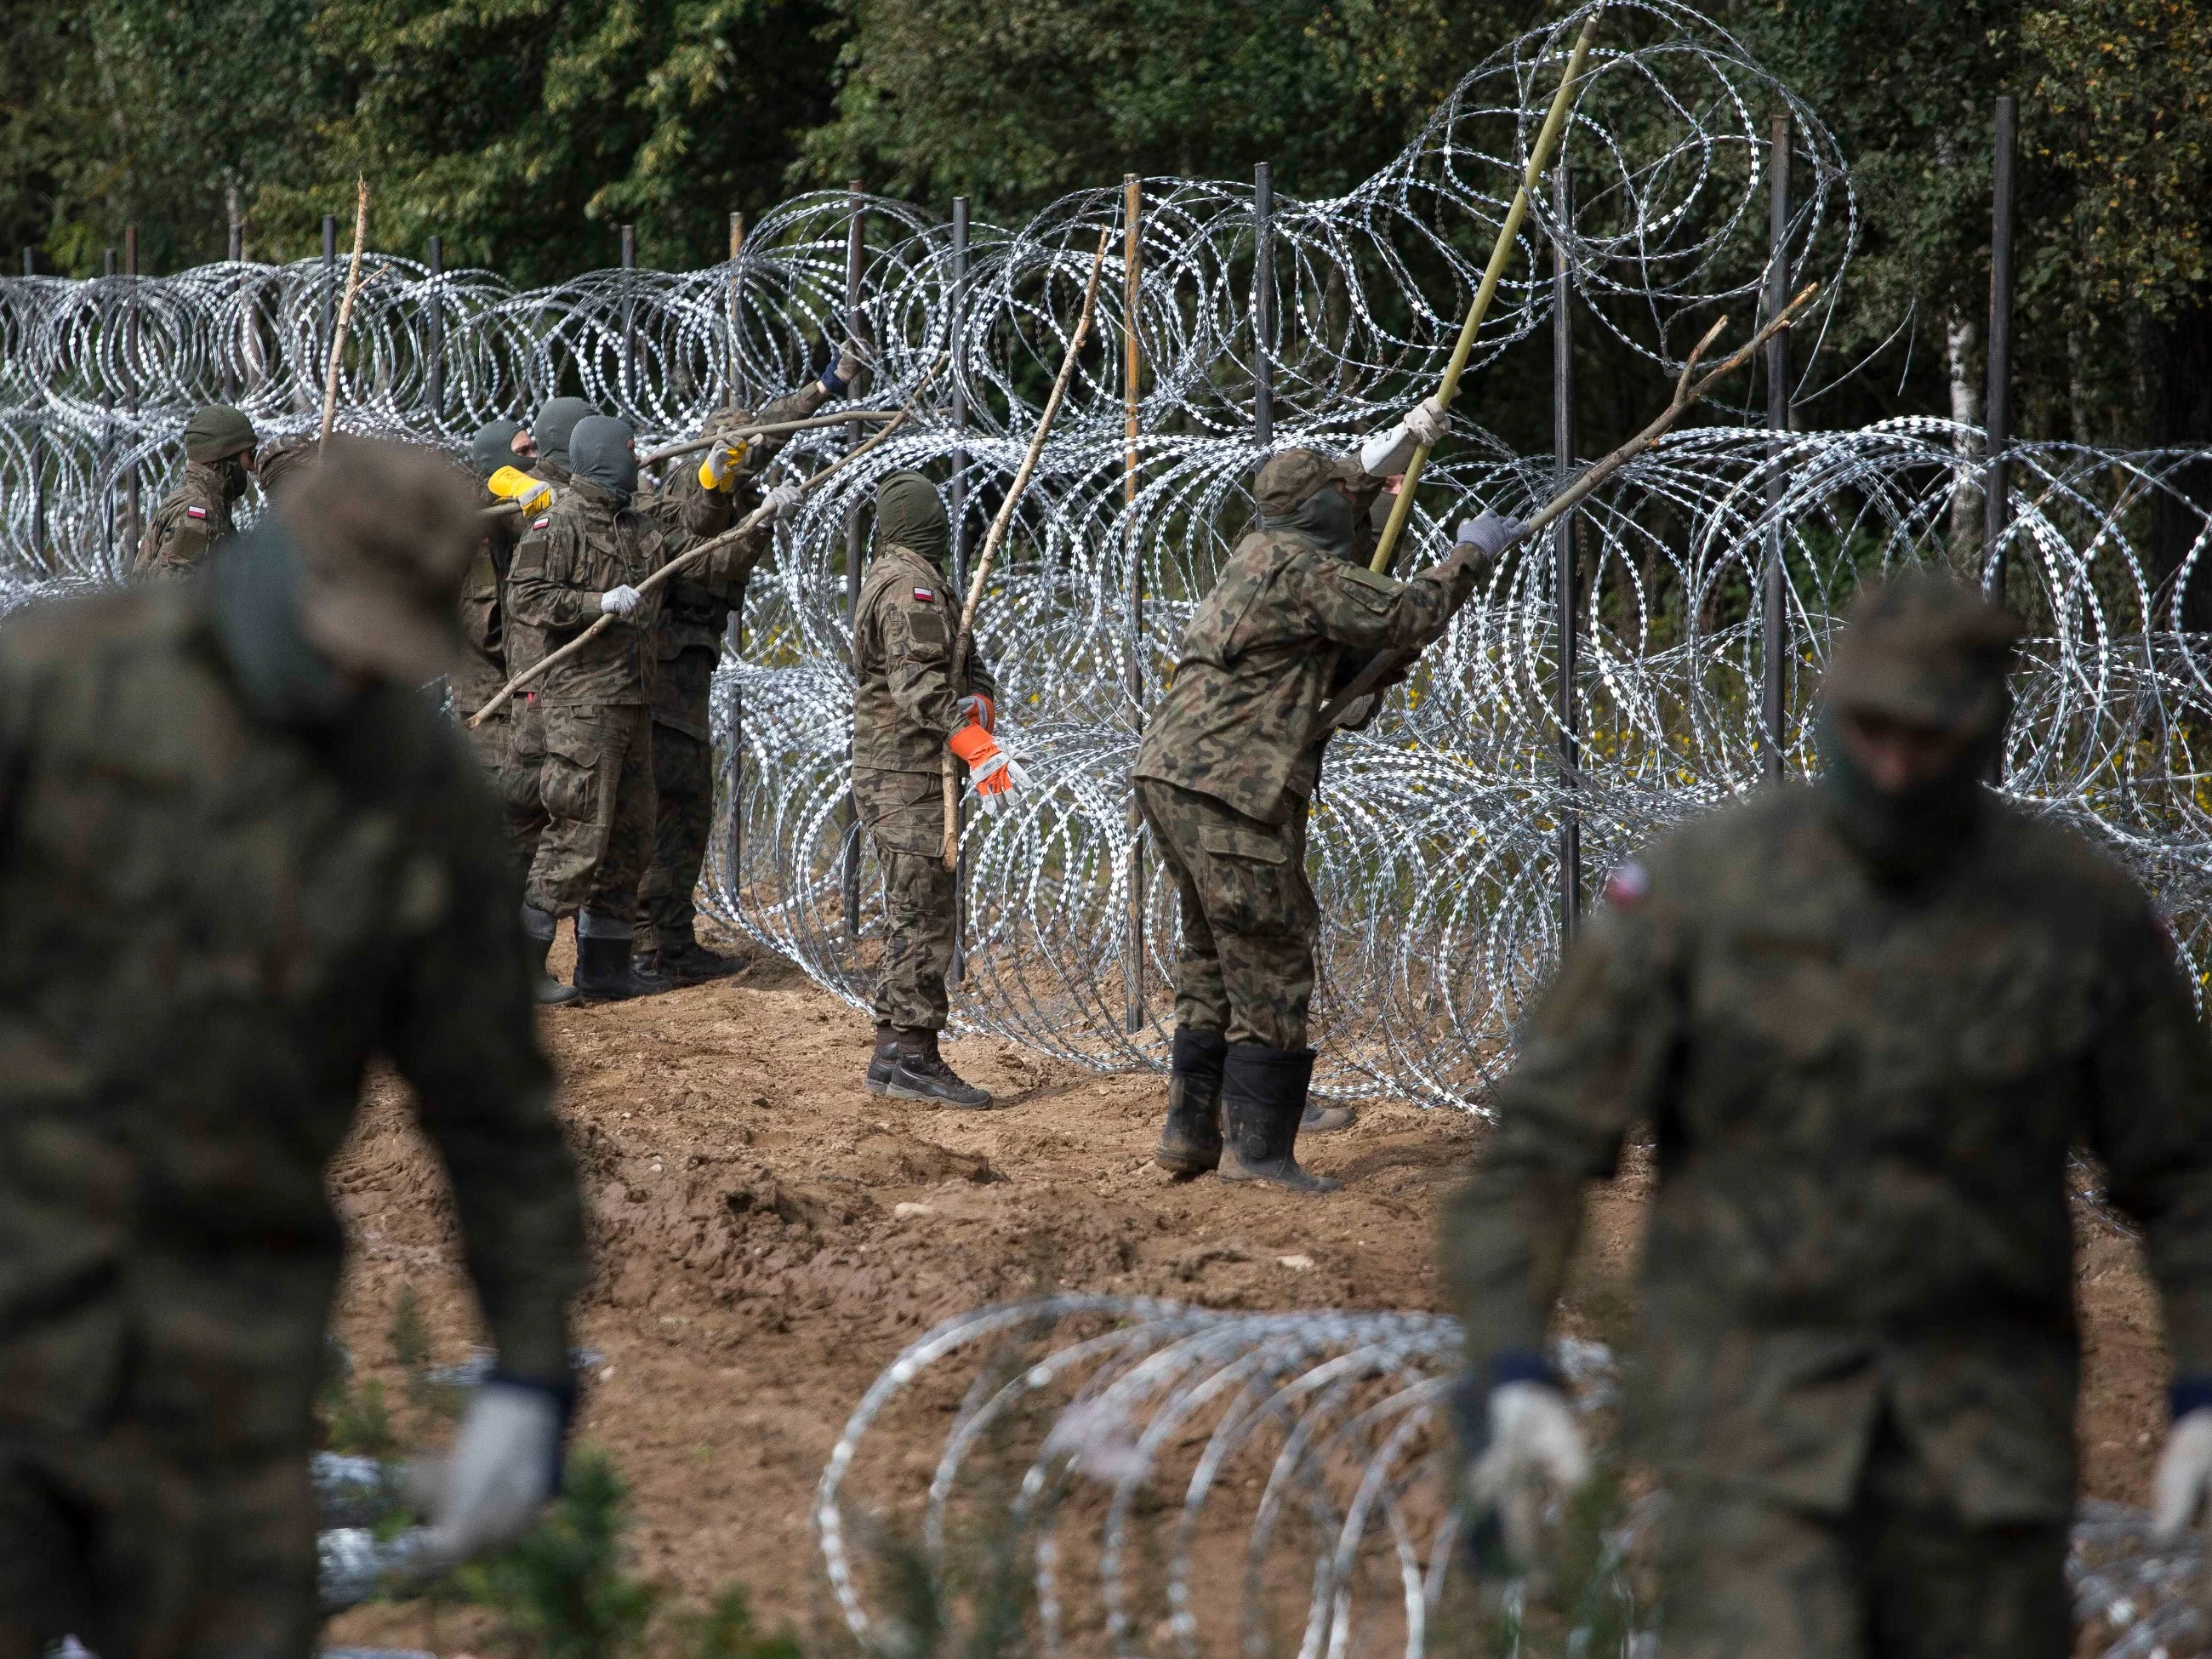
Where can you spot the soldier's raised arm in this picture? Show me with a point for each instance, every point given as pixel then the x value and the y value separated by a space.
pixel 1363 610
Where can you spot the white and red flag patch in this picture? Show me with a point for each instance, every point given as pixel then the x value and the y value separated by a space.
pixel 926 595
pixel 196 512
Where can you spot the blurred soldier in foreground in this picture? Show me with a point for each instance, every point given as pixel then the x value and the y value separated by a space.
pixel 688 644
pixel 580 560
pixel 1226 777
pixel 909 705
pixel 194 518
pixel 240 858
pixel 1867 1022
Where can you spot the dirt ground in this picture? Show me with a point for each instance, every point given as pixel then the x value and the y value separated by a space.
pixel 768 1236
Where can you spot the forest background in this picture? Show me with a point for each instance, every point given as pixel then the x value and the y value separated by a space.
pixel 526 131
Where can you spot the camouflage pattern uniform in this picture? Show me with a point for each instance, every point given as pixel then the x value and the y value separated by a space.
pixel 1860 1350
pixel 194 518
pixel 906 702
pixel 210 923
pixel 694 621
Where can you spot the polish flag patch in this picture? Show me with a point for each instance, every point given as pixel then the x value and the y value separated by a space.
pixel 926 595
pixel 1627 886
pixel 196 512
pixel 543 522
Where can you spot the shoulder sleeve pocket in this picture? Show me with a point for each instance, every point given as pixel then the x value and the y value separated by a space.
pixel 927 630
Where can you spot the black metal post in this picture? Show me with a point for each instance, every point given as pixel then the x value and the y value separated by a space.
pixel 131 517
pixel 1263 307
pixel 629 320
pixel 107 407
pixel 30 263
pixel 1564 568
pixel 1995 503
pixel 1774 644
pixel 854 234
pixel 435 334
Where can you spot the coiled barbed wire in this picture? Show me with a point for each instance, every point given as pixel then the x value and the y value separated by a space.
pixel 1151 1472
pixel 1436 832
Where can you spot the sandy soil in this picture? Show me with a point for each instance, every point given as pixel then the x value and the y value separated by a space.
pixel 755 1273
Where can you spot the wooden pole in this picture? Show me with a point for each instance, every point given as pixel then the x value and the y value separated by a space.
pixel 964 640
pixel 1998 410
pixel 1774 649
pixel 855 232
pixel 345 310
pixel 1133 252
pixel 1562 555
pixel 733 644
pixel 1539 158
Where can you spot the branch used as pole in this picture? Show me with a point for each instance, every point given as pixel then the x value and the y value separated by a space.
pixel 677 566
pixel 1539 158
pixel 691 446
pixel 345 309
pixel 965 639
pixel 1687 392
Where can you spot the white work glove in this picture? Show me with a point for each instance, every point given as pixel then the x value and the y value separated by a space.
pixel 620 601
pixel 1428 423
pixel 1537 1448
pixel 783 501
pixel 1392 451
pixel 1487 534
pixel 505 1463
pixel 2183 1478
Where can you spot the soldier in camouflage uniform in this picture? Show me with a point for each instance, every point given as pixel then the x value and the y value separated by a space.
pixel 694 619
pixel 911 703
pixel 549 432
pixel 281 459
pixel 1867 1022
pixel 581 560
pixel 194 518
pixel 1226 776
pixel 240 859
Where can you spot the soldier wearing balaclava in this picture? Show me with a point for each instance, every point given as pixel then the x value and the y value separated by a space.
pixel 194 518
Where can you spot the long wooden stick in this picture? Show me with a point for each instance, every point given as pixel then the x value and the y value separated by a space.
pixel 965 639
pixel 345 309
pixel 1686 393
pixel 678 565
pixel 1501 254
pixel 669 452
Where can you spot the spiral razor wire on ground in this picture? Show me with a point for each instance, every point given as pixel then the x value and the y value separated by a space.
pixel 1436 833
pixel 1134 1476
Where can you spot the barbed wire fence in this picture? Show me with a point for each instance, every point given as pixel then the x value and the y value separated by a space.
pixel 1436 832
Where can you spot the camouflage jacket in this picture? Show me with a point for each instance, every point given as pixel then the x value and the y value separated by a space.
pixel 1239 722
pixel 483 669
pixel 905 703
pixel 582 547
pixel 696 617
pixel 193 520
pixel 210 925
pixel 1864 1104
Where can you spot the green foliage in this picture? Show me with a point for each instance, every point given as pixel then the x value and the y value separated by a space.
pixel 726 1632
pixel 359 1422
pixel 565 1587
pixel 1586 1608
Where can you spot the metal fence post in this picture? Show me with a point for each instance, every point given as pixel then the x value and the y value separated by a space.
pixel 735 643
pixel 436 334
pixel 629 320
pixel 1775 634
pixel 1263 307
pixel 1564 570
pixel 131 517
pixel 1997 409
pixel 853 233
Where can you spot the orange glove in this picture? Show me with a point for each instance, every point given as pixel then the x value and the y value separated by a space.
pixel 982 710
pixel 990 769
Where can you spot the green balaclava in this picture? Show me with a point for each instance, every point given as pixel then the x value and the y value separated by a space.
pixel 551 430
pixel 1310 493
pixel 909 512
pixel 600 452
pixel 492 448
pixel 1922 650
pixel 254 584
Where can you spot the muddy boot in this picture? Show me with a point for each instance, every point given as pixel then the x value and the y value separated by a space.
pixel 537 929
pixel 1190 1140
pixel 881 1063
pixel 605 971
pixel 687 962
pixel 1263 1095
pixel 1326 1119
pixel 919 1072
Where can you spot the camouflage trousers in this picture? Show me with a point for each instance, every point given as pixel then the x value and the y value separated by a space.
pixel 510 746
pixel 1244 966
pixel 596 784
pixel 1902 1575
pixel 904 812
pixel 684 774
pixel 137 1545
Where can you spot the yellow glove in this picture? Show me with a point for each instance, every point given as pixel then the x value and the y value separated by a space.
pixel 719 470
pixel 512 483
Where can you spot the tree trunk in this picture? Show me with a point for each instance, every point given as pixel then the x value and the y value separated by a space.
pixel 1965 413
pixel 2177 364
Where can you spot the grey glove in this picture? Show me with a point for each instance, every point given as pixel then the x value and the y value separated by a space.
pixel 1428 423
pixel 504 1465
pixel 1487 534
pixel 783 501
pixel 620 601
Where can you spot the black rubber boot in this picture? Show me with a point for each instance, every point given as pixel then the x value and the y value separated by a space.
pixel 1326 1119
pixel 605 971
pixel 538 927
pixel 919 1072
pixel 881 1062
pixel 1263 1096
pixel 687 962
pixel 1190 1140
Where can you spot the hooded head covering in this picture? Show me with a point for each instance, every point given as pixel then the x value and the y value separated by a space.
pixel 493 447
pixel 551 432
pixel 1924 651
pixel 600 452
pixel 215 432
pixel 1317 495
pixel 909 513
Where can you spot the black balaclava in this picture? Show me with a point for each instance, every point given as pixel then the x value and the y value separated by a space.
pixel 910 511
pixel 600 452
pixel 492 448
pixel 1915 833
pixel 254 584
pixel 1326 516
pixel 231 471
pixel 552 429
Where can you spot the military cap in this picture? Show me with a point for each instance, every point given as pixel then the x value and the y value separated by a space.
pixel 385 538
pixel 1923 649
pixel 217 431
